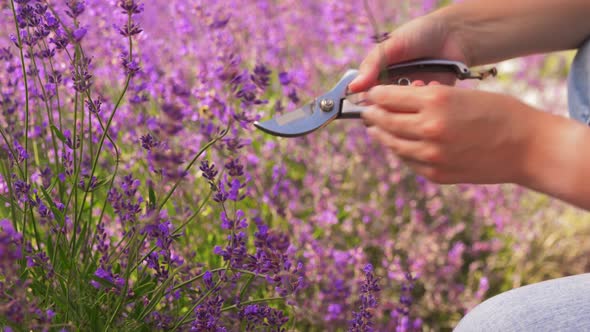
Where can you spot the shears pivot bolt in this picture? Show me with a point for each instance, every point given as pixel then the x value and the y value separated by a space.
pixel 326 105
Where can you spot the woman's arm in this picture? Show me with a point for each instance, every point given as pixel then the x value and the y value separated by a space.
pixel 479 32
pixel 495 30
pixel 557 161
pixel 454 135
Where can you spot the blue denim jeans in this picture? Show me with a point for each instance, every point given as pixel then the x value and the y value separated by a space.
pixel 579 85
pixel 555 305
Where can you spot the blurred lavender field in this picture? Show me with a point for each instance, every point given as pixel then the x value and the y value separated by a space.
pixel 135 193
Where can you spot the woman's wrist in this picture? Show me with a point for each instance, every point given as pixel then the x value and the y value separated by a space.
pixel 477 34
pixel 455 27
pixel 553 161
pixel 492 31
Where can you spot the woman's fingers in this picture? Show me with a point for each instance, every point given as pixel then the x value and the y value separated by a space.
pixel 396 98
pixel 397 117
pixel 417 150
pixel 420 157
pixel 369 68
pixel 429 171
pixel 403 125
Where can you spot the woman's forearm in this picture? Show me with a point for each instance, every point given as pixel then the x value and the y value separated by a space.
pixel 557 160
pixel 496 30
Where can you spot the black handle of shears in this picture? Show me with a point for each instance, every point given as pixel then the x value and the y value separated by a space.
pixel 393 74
pixel 401 73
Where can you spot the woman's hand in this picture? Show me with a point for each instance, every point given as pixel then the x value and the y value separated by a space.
pixel 425 37
pixel 479 32
pixel 453 135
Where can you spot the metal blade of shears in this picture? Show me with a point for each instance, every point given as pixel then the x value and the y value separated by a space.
pixel 296 123
pixel 312 116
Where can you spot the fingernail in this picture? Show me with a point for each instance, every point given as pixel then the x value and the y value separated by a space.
pixel 356 80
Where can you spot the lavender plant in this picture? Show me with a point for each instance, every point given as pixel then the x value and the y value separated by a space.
pixel 99 247
pixel 135 194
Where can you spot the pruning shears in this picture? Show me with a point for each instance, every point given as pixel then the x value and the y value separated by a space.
pixel 338 103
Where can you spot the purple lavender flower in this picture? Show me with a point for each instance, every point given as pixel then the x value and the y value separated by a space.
pixel 21 154
pixel 219 23
pixel 81 76
pixel 221 194
pixel 10 245
pixel 124 200
pixel 261 76
pixel 334 311
pixel 79 33
pixel 51 23
pixel 130 7
pixel 406 295
pixel 284 78
pixel 234 191
pixel 27 16
pixel 209 172
pixel 15 41
pixel 21 190
pixel 130 29
pixel 75 8
pixel 102 246
pixel 46 177
pixel 94 106
pixel 362 319
pixel 88 184
pixel 148 142
pixel 234 168
pixel 236 252
pixel 107 275
pixel 40 260
pixel 293 96
pixel 233 144
pixel 207 315
pixel 130 66
pixel 262 316
pixel 171 121
pixel 55 77
pixel 227 223
pixel 5 54
pixel 45 213
pixel 60 40
pixel 161 321
pixel 67 162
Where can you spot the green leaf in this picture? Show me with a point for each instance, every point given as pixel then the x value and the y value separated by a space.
pixel 144 288
pixel 58 133
pixel 158 295
pixel 56 212
pixel 99 182
pixel 152 197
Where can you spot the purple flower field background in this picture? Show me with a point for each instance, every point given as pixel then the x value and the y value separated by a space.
pixel 136 195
